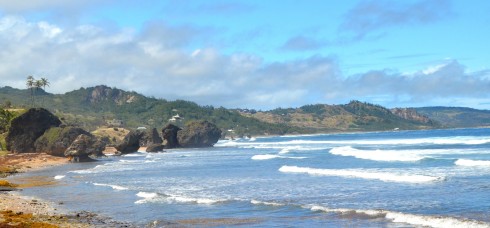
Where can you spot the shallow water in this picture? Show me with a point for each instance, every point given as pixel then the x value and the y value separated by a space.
pixel 438 178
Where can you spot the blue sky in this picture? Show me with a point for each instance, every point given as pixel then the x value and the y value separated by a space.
pixel 255 54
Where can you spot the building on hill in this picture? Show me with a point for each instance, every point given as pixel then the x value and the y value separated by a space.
pixel 176 120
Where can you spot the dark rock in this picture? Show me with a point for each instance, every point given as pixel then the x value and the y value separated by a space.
pixel 84 146
pixel 131 142
pixel 199 134
pixel 26 128
pixel 155 148
pixel 150 138
pixel 56 140
pixel 169 134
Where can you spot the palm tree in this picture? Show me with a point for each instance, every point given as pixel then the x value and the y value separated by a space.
pixel 30 86
pixel 38 84
pixel 44 83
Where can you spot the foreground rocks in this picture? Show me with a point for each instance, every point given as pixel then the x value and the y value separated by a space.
pixel 27 128
pixel 131 142
pixel 83 147
pixel 199 134
pixel 56 140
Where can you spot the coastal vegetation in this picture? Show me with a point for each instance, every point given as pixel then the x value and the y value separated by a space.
pixel 103 107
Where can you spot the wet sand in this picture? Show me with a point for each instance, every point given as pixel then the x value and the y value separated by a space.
pixel 17 210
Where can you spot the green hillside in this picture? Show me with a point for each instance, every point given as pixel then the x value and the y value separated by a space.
pixel 95 106
pixel 457 117
pixel 355 116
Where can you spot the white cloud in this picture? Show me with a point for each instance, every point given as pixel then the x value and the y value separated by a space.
pixel 163 61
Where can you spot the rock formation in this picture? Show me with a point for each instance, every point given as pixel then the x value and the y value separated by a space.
pixel 150 138
pixel 169 134
pixel 198 134
pixel 410 114
pixel 56 140
pixel 26 128
pixel 155 148
pixel 84 146
pixel 131 142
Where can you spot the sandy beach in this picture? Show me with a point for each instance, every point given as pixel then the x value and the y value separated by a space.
pixel 17 210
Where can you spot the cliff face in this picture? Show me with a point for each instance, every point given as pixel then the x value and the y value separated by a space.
pixel 410 114
pixel 104 93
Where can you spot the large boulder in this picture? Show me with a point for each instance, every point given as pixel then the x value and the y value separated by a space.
pixel 56 140
pixel 169 134
pixel 83 147
pixel 26 128
pixel 155 148
pixel 131 142
pixel 150 138
pixel 199 134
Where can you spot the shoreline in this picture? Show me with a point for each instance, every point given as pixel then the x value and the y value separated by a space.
pixel 18 210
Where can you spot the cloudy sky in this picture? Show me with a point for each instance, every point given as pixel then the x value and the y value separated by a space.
pixel 254 53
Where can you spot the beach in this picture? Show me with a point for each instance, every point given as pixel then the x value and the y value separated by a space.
pixel 17 210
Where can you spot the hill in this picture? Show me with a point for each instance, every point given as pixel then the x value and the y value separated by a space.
pixel 457 117
pixel 354 116
pixel 102 105
pixel 97 106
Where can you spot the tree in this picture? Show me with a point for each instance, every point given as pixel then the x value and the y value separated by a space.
pixel 5 118
pixel 44 82
pixel 30 85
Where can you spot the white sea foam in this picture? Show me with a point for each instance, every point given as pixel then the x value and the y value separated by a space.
pixel 412 219
pixel 284 151
pixel 464 140
pixel 155 197
pixel 258 202
pixel 272 156
pixel 468 162
pixel 147 197
pixel 58 177
pixel 377 155
pixel 184 199
pixel 265 156
pixel 115 187
pixel 364 174
pixel 138 154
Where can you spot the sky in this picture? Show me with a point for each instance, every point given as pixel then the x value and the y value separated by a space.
pixel 254 53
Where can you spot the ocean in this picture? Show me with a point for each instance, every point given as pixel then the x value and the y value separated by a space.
pixel 430 178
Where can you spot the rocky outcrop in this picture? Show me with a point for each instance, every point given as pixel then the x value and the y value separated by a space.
pixel 27 128
pixel 150 138
pixel 56 140
pixel 155 148
pixel 131 142
pixel 169 134
pixel 410 114
pixel 103 93
pixel 199 134
pixel 83 147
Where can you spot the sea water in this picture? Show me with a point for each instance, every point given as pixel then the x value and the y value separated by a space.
pixel 433 178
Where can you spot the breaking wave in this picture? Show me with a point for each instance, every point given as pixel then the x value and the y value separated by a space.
pixel 152 197
pixel 272 156
pixel 364 174
pixel 469 162
pixel 377 155
pixel 412 219
pixel 115 187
